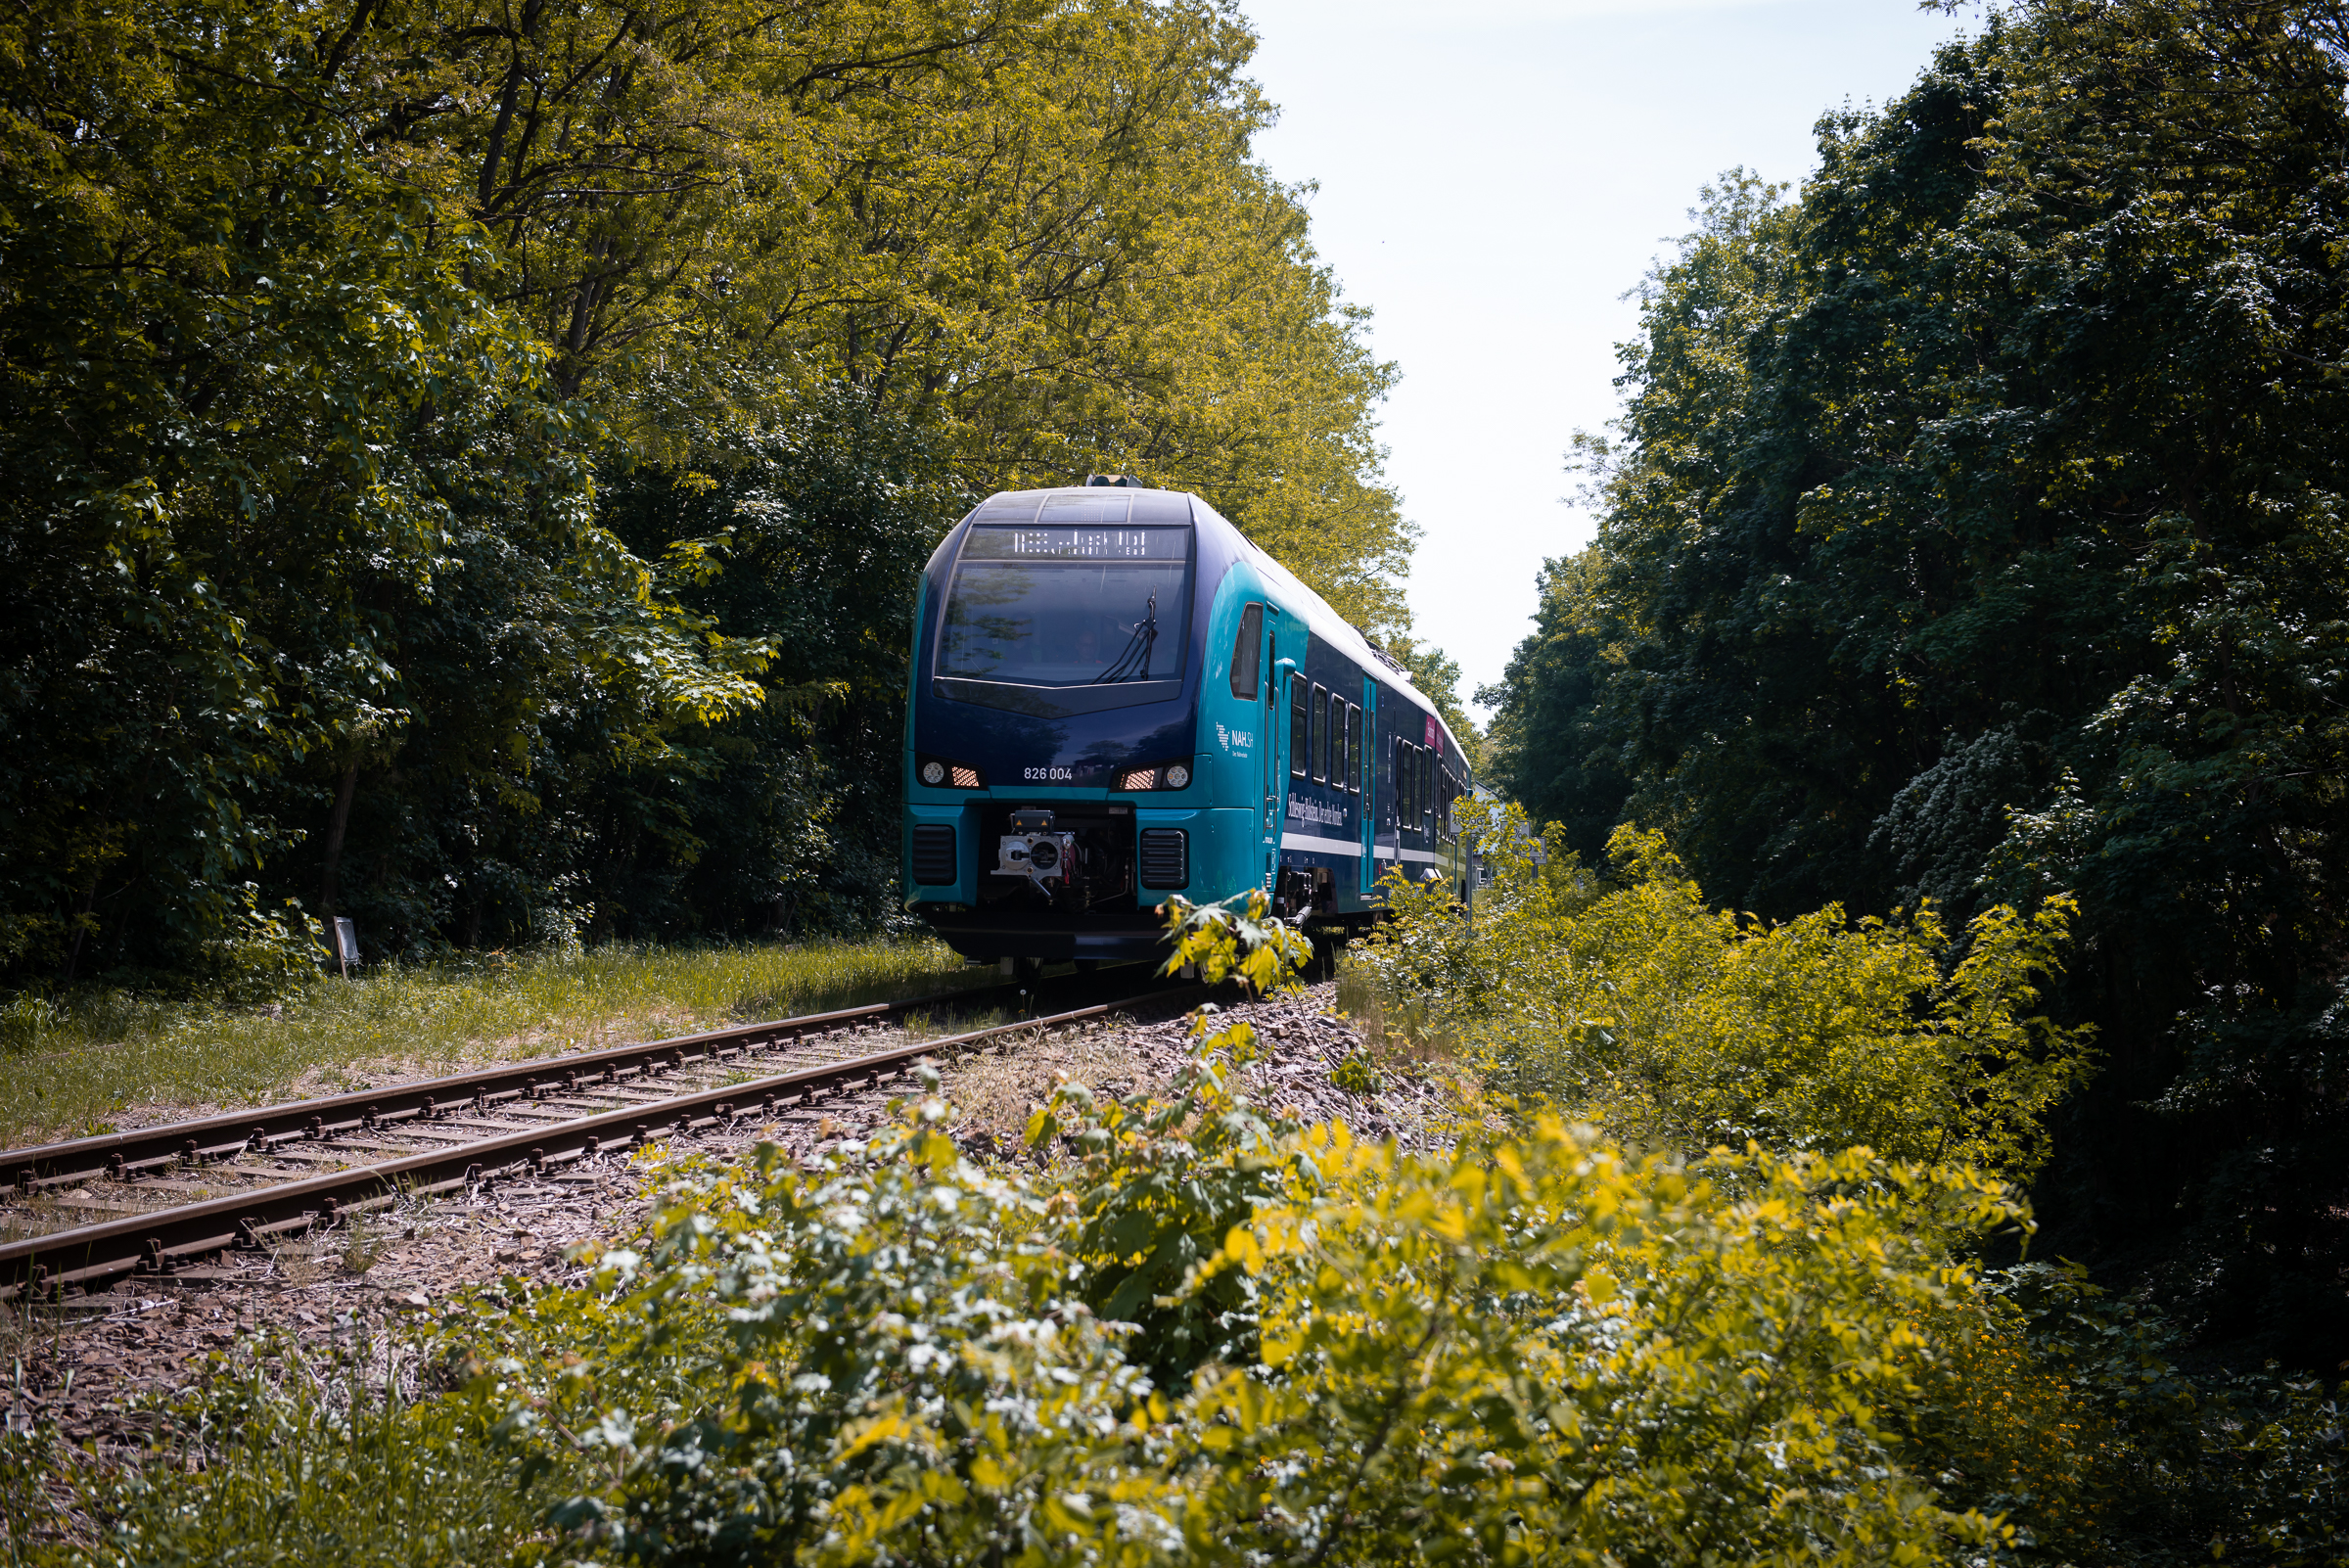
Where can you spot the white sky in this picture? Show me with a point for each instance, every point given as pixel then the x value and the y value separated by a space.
pixel 1495 174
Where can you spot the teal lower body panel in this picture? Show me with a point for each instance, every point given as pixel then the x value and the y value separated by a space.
pixel 1227 855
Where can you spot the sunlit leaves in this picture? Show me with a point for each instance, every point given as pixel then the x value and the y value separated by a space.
pixel 1528 1348
pixel 1974 534
pixel 351 351
pixel 1674 1024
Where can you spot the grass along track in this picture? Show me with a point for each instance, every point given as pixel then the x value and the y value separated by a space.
pixel 99 1059
pixel 163 1205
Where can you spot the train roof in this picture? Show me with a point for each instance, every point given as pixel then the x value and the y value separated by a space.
pixel 1149 505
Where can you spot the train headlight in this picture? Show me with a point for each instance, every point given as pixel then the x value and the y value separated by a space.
pixel 940 772
pixel 1157 776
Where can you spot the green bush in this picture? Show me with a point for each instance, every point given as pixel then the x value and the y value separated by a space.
pixel 1188 1333
pixel 1528 1348
pixel 1675 1025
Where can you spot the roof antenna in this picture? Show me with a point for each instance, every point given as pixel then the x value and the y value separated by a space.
pixel 1123 482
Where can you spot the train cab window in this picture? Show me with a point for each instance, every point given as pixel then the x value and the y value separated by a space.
pixel 1301 731
pixel 1354 749
pixel 1320 736
pixel 1246 651
pixel 1054 606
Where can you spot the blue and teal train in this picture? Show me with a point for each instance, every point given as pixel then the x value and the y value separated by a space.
pixel 1116 698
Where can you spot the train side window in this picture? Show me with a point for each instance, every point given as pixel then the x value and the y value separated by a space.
pixel 1247 651
pixel 1300 729
pixel 1337 740
pixel 1320 734
pixel 1354 749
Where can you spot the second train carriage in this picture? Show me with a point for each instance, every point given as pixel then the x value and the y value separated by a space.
pixel 1115 698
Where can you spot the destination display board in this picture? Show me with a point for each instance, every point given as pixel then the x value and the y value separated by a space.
pixel 1076 543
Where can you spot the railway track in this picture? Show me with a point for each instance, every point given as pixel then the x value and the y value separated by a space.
pixel 157 1201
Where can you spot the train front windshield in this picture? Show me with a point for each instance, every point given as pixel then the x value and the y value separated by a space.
pixel 1068 606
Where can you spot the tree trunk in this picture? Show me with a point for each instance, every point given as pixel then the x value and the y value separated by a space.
pixel 334 827
pixel 81 930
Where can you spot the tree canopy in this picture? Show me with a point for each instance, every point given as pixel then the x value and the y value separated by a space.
pixel 466 461
pixel 1974 533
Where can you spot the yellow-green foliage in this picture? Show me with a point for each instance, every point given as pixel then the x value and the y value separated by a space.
pixel 1236 939
pixel 1525 1349
pixel 1205 1338
pixel 1539 1350
pixel 1680 1026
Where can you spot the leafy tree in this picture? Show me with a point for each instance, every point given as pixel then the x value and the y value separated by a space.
pixel 427 423
pixel 1033 229
pixel 256 420
pixel 1973 534
pixel 1545 750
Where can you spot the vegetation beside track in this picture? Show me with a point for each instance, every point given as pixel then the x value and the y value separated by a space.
pixel 1191 1332
pixel 1974 530
pixel 76 1066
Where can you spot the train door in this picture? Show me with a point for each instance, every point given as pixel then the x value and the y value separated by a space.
pixel 1366 780
pixel 1275 730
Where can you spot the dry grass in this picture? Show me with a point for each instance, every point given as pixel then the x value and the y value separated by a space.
pixel 995 1094
pixel 939 1023
pixel 1398 1036
pixel 103 1060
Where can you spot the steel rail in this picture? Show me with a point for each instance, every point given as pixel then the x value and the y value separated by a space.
pixel 123 1155
pixel 158 1243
